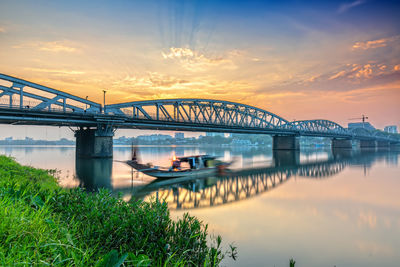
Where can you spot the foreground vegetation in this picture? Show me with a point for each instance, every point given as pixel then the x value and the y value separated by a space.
pixel 42 224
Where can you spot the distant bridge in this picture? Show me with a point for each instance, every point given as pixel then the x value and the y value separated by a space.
pixel 27 103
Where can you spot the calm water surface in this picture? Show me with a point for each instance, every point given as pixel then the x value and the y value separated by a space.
pixel 322 208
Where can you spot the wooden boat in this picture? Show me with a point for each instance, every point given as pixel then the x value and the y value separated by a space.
pixel 196 166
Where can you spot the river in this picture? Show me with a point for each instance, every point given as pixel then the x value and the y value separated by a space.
pixel 321 208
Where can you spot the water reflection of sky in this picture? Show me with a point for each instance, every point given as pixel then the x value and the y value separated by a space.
pixel 348 218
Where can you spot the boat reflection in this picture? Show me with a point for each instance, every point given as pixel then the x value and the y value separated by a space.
pixel 187 193
pixel 236 185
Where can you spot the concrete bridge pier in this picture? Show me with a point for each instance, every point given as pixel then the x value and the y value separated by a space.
pixel 286 158
pixel 285 142
pixel 342 153
pixel 383 144
pixel 94 173
pixel 94 143
pixel 394 146
pixel 341 143
pixel 367 144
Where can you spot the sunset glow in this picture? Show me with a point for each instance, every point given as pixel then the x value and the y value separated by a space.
pixel 321 60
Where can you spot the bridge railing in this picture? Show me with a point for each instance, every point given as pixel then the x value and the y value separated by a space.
pixel 29 105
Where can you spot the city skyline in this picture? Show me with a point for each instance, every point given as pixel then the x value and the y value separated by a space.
pixel 331 60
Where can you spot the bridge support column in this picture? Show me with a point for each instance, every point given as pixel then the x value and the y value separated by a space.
pixel 342 143
pixel 367 144
pixel 94 173
pixel 383 144
pixel 394 146
pixel 94 143
pixel 286 157
pixel 280 142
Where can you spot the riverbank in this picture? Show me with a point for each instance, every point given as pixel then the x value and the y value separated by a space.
pixel 45 224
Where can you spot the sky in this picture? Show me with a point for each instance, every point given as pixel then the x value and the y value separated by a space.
pixel 301 60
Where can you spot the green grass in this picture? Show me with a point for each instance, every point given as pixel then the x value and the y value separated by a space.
pixel 43 224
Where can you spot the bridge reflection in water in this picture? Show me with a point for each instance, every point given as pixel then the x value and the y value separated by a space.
pixel 186 193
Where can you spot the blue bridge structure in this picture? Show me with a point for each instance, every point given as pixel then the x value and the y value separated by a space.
pixel 27 103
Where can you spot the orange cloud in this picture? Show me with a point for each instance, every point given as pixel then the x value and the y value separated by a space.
pixel 375 43
pixel 2 29
pixel 195 61
pixel 365 72
pixel 396 67
pixel 155 85
pixel 370 44
pixel 56 46
pixel 56 71
pixel 337 75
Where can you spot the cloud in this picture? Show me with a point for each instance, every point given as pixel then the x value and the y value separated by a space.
pixel 357 72
pixel 195 61
pixel 347 6
pixel 56 71
pixel 361 72
pixel 383 42
pixel 370 44
pixel 55 47
pixel 396 67
pixel 2 30
pixel 337 75
pixel 154 85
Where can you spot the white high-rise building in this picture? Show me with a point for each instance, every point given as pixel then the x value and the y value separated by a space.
pixel 390 129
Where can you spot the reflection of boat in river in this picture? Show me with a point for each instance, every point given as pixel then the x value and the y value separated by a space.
pixel 191 166
pixel 241 184
pixel 236 184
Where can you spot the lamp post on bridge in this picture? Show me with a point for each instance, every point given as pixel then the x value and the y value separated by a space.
pixel 86 103
pixel 104 101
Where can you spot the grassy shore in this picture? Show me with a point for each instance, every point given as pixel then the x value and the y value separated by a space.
pixel 43 224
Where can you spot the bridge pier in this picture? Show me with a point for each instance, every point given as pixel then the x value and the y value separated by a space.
pixel 342 143
pixel 94 143
pixel 383 144
pixel 367 144
pixel 286 157
pixel 281 142
pixel 394 145
pixel 341 153
pixel 94 173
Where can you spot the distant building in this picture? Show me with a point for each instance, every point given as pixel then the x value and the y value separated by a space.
pixel 391 129
pixel 154 137
pixel 215 134
pixel 9 138
pixel 365 125
pixel 179 136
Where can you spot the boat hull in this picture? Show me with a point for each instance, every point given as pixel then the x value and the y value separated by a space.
pixel 168 174
pixel 160 174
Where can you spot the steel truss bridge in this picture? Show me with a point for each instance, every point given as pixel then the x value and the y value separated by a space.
pixel 199 193
pixel 26 103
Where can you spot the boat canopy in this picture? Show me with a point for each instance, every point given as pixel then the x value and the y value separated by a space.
pixel 188 158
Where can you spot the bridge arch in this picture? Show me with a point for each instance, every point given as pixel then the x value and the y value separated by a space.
pixel 361 132
pixel 318 126
pixel 202 111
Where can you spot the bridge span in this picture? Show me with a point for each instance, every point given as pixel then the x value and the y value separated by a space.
pixel 27 103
